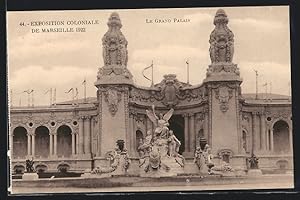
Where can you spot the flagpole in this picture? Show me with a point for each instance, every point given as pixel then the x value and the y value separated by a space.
pixel 72 96
pixel 188 71
pixel 270 91
pixel 32 99
pixel 84 89
pixel 152 84
pixel 50 96
pixel 54 97
pixel 256 88
pixel 28 98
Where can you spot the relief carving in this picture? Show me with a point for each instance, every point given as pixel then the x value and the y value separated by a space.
pixel 112 96
pixel 223 94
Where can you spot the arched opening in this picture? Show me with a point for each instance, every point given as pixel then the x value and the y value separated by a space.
pixel 64 141
pixel 244 140
pixel 42 138
pixel 177 125
pixel 139 138
pixel 281 137
pixel 41 168
pixel 19 142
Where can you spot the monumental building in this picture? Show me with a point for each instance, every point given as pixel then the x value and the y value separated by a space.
pixel 78 134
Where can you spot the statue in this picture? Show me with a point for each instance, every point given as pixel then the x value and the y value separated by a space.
pixel 208 158
pixel 253 161
pixel 199 158
pixel 119 160
pixel 221 40
pixel 114 43
pixel 29 166
pixel 161 148
pixel 161 123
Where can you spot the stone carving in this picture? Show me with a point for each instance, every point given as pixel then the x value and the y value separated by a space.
pixel 221 40
pixel 114 43
pixel 170 92
pixel 221 47
pixel 161 123
pixel 119 160
pixel 115 54
pixel 112 97
pixel 223 94
pixel 159 151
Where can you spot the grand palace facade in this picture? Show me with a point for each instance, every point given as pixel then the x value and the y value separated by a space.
pixel 80 133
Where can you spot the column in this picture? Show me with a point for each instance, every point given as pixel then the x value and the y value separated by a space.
pixel 205 127
pixel 51 144
pixel 80 124
pixel 55 144
pixel 77 143
pixel 186 133
pixel 291 139
pixel 130 134
pixel 268 140
pixel 272 140
pixel 28 144
pixel 263 132
pixel 255 135
pixel 11 142
pixel 87 135
pixel 192 139
pixel 73 143
pixel 33 145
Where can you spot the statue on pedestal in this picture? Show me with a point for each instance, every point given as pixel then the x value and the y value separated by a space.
pixel 119 160
pixel 253 161
pixel 160 149
pixel 29 166
pixel 199 158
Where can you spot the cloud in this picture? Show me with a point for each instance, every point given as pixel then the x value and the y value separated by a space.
pixel 258 24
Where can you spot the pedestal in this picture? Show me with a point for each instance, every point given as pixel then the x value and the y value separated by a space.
pixel 254 172
pixel 30 176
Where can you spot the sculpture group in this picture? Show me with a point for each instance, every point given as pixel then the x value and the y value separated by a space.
pixel 160 147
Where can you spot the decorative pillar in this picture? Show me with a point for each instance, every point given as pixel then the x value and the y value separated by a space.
pixel 87 135
pixel 255 134
pixel 33 144
pixel 130 133
pixel 205 127
pixel 272 140
pixel 192 139
pixel 80 135
pixel 77 143
pixel 51 144
pixel 186 133
pixel 73 143
pixel 28 144
pixel 11 139
pixel 55 144
pixel 263 132
pixel 291 139
pixel 267 140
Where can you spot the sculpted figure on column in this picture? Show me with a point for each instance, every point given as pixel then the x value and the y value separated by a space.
pixel 114 43
pixel 221 40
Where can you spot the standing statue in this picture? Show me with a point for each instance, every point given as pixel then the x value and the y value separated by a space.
pixel 174 144
pixel 221 40
pixel 199 158
pixel 161 123
pixel 29 166
pixel 253 161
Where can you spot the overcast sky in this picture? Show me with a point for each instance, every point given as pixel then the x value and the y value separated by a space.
pixel 62 60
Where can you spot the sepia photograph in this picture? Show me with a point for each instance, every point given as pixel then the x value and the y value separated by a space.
pixel 138 100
